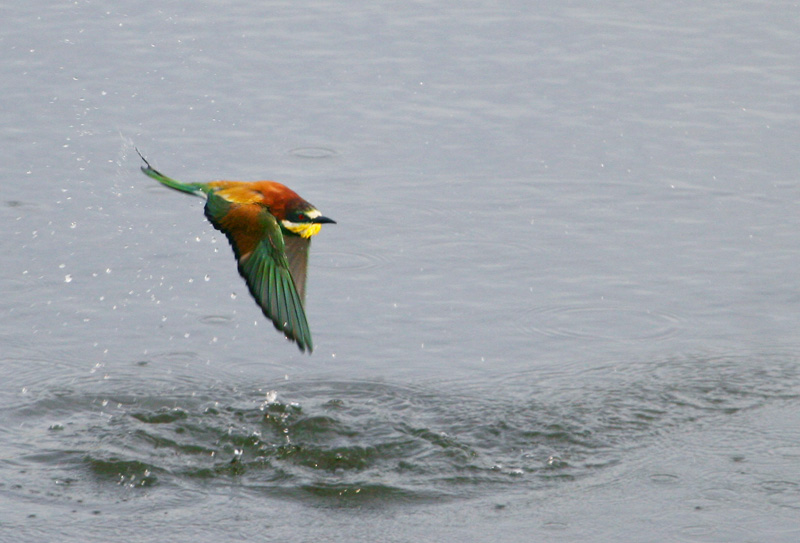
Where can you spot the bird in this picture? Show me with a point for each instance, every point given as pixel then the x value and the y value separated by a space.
pixel 269 227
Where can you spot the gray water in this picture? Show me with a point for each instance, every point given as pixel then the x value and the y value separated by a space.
pixel 561 301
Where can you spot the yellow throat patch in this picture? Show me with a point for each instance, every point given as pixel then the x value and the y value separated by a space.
pixel 305 230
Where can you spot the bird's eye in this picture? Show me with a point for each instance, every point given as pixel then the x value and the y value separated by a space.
pixel 301 216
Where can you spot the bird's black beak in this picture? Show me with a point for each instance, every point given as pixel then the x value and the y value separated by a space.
pixel 323 220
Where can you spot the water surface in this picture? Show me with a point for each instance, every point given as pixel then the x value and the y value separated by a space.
pixel 560 301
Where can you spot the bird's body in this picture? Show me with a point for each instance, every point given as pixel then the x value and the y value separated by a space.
pixel 269 227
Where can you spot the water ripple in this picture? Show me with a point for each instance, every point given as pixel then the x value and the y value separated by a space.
pixel 313 152
pixel 366 440
pixel 348 260
pixel 598 322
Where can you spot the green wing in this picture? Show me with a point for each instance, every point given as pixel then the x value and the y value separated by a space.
pixel 260 249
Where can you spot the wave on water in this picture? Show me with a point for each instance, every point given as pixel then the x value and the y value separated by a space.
pixel 377 441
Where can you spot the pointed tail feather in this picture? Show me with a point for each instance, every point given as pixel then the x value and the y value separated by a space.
pixel 198 189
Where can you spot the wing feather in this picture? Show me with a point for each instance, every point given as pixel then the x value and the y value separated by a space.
pixel 260 248
pixel 297 253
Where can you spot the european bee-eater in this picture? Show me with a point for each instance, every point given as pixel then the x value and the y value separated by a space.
pixel 269 227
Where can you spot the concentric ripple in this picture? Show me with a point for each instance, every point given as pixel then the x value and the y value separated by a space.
pixel 313 152
pixel 606 323
pixel 348 260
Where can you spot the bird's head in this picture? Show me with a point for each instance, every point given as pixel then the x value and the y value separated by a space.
pixel 305 221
